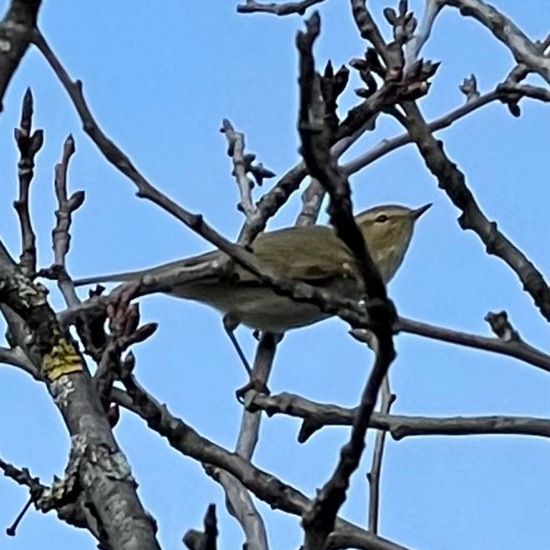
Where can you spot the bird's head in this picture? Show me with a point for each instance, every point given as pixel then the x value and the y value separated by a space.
pixel 388 230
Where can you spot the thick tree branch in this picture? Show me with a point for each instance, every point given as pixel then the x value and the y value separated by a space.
pixel 103 472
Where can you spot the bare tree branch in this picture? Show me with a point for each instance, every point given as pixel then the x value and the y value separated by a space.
pixel 387 398
pixel 505 30
pixel 415 45
pixel 28 143
pixel 286 8
pixel 501 93
pixel 453 182
pixel 206 540
pixel 263 485
pixel 61 236
pixel 103 472
pixel 239 503
pixel 517 349
pixel 315 416
pixel 319 518
pixel 15 35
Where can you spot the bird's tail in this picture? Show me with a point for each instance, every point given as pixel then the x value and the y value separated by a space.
pixel 157 271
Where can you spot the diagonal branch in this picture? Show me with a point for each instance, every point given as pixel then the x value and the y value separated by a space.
pixel 453 182
pixel 505 30
pixel 326 301
pixel 263 485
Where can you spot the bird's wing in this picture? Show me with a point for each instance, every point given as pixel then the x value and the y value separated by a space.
pixel 295 253
pixel 292 253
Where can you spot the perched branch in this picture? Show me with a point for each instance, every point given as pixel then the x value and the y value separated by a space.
pixel 315 416
pixel 328 303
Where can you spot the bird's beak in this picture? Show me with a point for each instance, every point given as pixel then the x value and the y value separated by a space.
pixel 415 214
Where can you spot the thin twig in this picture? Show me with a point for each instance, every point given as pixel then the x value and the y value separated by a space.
pixel 286 8
pixel 61 236
pixel 505 30
pixel 517 349
pixel 242 164
pixel 28 143
pixel 509 89
pixel 421 36
pixel 389 145
pixel 387 398
pixel 238 500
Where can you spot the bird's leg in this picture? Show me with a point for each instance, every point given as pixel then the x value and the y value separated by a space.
pixel 230 324
pixel 262 366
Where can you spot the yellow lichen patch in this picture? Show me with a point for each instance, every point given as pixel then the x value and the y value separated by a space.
pixel 61 360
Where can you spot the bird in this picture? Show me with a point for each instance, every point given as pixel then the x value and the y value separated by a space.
pixel 312 254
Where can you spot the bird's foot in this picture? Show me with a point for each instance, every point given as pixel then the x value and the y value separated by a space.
pixel 252 385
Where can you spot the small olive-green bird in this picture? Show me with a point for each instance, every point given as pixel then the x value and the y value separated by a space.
pixel 311 254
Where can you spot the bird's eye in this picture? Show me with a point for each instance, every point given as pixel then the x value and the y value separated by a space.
pixel 381 219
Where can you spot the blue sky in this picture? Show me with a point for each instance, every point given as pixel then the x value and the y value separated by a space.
pixel 160 79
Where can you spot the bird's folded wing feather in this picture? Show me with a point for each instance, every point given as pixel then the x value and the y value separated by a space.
pixel 311 254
